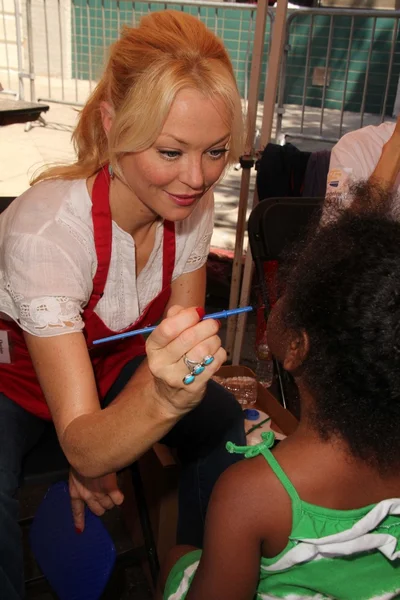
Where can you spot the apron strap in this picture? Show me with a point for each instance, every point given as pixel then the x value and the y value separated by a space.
pixel 102 230
pixel 168 253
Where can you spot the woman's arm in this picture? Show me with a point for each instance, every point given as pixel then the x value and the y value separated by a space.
pixel 97 442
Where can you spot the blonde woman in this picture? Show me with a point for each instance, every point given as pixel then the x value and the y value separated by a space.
pixel 114 242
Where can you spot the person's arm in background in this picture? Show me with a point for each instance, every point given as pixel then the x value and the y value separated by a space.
pixel 381 182
pixel 388 167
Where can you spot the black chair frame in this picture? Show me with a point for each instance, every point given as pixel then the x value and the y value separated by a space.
pixel 274 225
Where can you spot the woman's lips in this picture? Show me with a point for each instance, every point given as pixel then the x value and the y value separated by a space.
pixel 184 200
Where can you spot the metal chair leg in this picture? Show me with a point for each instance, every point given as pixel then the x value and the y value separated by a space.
pixel 149 542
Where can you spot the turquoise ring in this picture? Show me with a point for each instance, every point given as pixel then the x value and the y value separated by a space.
pixel 195 368
pixel 207 360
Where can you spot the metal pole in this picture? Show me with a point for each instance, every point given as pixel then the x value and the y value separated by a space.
pixel 392 51
pixel 278 38
pixel 29 31
pixel 60 33
pixel 346 76
pixel 247 160
pixel 306 73
pixel 21 94
pixel 364 96
pixel 328 56
pixel 274 61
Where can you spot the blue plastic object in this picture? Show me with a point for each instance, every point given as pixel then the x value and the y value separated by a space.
pixel 77 566
pixel 251 414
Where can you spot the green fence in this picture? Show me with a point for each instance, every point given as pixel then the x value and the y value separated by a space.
pixel 96 24
pixel 361 55
pixel 358 53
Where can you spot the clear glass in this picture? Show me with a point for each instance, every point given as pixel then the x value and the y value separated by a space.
pixel 265 372
pixel 243 388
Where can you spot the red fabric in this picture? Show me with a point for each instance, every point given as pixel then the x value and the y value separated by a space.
pixel 18 379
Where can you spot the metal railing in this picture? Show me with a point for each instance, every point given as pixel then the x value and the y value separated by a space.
pixel 358 43
pixel 66 41
pixel 330 60
pixel 11 48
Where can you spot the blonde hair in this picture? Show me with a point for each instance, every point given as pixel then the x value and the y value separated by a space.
pixel 147 67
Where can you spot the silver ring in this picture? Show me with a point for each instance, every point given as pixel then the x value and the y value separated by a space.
pixel 195 367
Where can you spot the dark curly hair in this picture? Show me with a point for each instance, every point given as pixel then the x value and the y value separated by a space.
pixel 344 291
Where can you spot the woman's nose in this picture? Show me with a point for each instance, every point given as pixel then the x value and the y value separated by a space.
pixel 193 174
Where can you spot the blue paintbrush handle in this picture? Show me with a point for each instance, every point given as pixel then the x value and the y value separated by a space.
pixel 223 314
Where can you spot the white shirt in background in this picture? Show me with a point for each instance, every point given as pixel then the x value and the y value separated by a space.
pixel 354 158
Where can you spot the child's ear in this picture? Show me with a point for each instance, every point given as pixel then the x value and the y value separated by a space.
pixel 107 116
pixel 296 351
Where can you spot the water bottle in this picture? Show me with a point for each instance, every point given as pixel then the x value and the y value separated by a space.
pixel 264 365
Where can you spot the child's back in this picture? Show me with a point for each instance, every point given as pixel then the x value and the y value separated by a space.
pixel 327 527
pixel 320 516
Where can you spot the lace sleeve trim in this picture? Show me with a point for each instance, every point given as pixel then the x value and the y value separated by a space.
pixel 47 313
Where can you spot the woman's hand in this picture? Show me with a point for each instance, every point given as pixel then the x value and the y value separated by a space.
pixel 100 494
pixel 182 333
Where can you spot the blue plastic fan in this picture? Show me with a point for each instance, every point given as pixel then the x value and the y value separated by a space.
pixel 77 566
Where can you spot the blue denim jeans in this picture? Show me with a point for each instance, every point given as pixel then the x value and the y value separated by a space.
pixel 199 438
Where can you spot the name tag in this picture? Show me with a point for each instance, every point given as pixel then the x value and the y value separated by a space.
pixel 4 348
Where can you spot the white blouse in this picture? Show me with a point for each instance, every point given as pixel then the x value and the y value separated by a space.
pixel 48 260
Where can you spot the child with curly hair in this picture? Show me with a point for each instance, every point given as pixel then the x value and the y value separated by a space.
pixel 318 516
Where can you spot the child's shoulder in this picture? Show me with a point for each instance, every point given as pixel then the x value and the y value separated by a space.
pixel 252 497
pixel 251 485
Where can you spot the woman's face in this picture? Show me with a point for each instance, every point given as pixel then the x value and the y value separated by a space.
pixel 189 156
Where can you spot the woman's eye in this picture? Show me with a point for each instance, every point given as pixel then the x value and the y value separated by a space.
pixel 170 154
pixel 218 153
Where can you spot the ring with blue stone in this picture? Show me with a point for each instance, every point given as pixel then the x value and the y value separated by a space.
pixel 195 367
pixel 207 360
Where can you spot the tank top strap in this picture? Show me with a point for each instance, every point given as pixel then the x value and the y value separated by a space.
pixel 281 475
pixel 263 448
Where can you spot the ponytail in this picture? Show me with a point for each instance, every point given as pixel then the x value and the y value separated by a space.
pixel 89 140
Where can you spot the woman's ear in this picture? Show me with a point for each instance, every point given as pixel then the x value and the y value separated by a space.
pixel 107 116
pixel 297 351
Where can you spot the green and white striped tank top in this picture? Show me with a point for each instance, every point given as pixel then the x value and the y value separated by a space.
pixel 331 554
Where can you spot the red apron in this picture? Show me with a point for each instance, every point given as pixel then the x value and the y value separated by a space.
pixel 18 380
